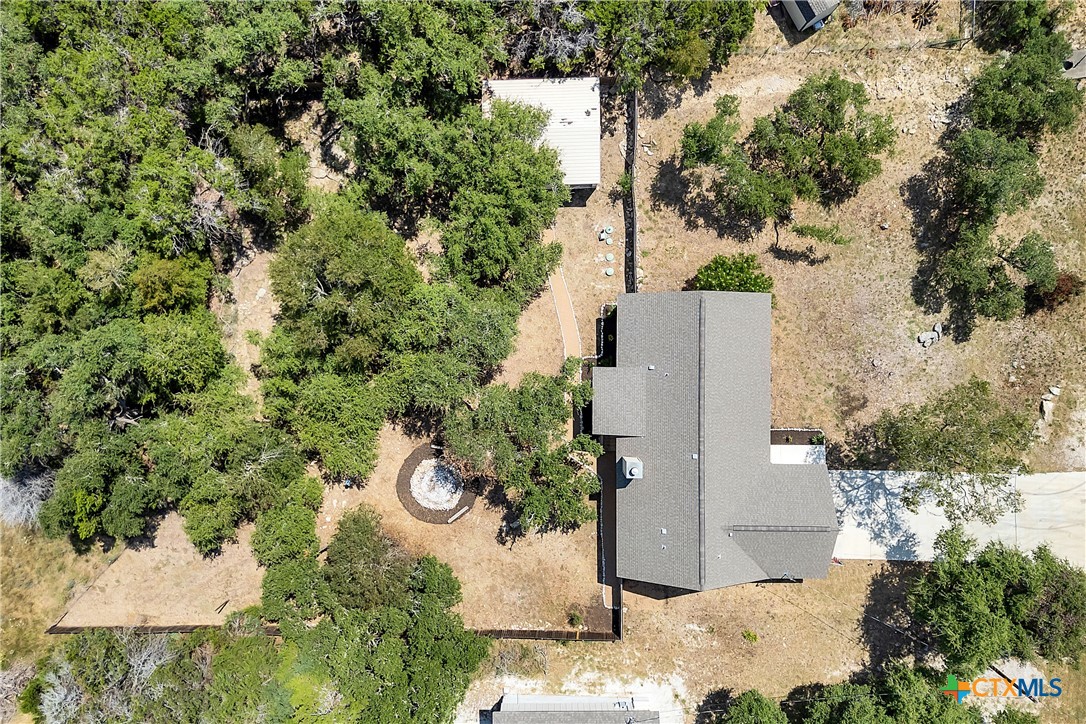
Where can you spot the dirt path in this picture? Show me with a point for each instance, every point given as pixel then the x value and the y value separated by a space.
pixel 567 320
pixel 253 310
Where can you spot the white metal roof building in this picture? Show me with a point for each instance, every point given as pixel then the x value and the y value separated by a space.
pixel 574 126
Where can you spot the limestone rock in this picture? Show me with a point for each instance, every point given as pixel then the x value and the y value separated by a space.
pixel 1047 407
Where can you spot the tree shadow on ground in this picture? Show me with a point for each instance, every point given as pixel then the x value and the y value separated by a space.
pixel 872 500
pixel 495 498
pixel 714 703
pixel 797 705
pixel 675 188
pixel 887 629
pixel 936 228
pixel 806 256
pixel 661 94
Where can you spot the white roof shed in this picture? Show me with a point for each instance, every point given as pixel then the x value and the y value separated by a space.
pixel 574 126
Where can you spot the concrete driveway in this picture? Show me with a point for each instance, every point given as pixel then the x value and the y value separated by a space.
pixel 875 525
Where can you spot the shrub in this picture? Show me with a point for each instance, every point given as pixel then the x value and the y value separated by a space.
pixel 625 183
pixel 165 284
pixel 708 143
pixel 824 234
pixel 738 273
pixel 1068 285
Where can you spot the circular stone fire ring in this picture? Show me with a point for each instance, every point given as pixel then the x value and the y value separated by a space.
pixel 427 489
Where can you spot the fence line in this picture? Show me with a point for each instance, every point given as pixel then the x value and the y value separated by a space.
pixel 633 144
pixel 546 635
pixel 269 629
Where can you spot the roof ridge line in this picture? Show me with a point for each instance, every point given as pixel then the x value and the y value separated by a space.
pixel 701 443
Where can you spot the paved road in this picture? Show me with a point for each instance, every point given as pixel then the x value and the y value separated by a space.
pixel 874 524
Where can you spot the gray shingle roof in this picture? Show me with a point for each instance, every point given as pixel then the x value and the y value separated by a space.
pixel 711 510
pixel 618 395
pixel 573 717
pixel 543 709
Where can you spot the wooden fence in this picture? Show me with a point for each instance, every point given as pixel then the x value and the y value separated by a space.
pixel 546 635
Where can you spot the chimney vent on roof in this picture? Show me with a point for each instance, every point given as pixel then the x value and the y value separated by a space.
pixel 632 469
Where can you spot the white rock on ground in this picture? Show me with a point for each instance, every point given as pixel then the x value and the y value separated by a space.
pixel 436 486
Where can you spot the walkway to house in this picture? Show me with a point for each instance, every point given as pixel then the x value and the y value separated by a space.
pixel 875 525
pixel 563 307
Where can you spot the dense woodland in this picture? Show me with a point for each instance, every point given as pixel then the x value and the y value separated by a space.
pixel 145 152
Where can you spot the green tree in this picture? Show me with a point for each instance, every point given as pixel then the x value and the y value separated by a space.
pixel 751 707
pixel 514 436
pixel 183 353
pixel 823 139
pixel 365 569
pixel 165 284
pixel 1011 715
pixel 284 534
pixel 1034 257
pixel 913 696
pixel 992 175
pixel 341 282
pixel 1026 95
pixel 737 273
pixel 821 145
pixel 708 143
pixel 965 445
pixel 847 704
pixel 984 605
pixel 337 418
pixel 1010 26
pixel 683 39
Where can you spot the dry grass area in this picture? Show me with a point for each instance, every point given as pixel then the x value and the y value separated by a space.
pixel 538 343
pixel 38 577
pixel 168 582
pixel 845 322
pixel 252 310
pixel 806 633
pixel 693 646
pixel 535 583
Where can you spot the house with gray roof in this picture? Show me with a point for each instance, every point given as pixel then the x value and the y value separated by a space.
pixel 700 502
pixel 539 709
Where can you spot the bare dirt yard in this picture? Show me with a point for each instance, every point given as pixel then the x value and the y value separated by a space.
pixel 534 583
pixel 772 637
pixel 168 582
